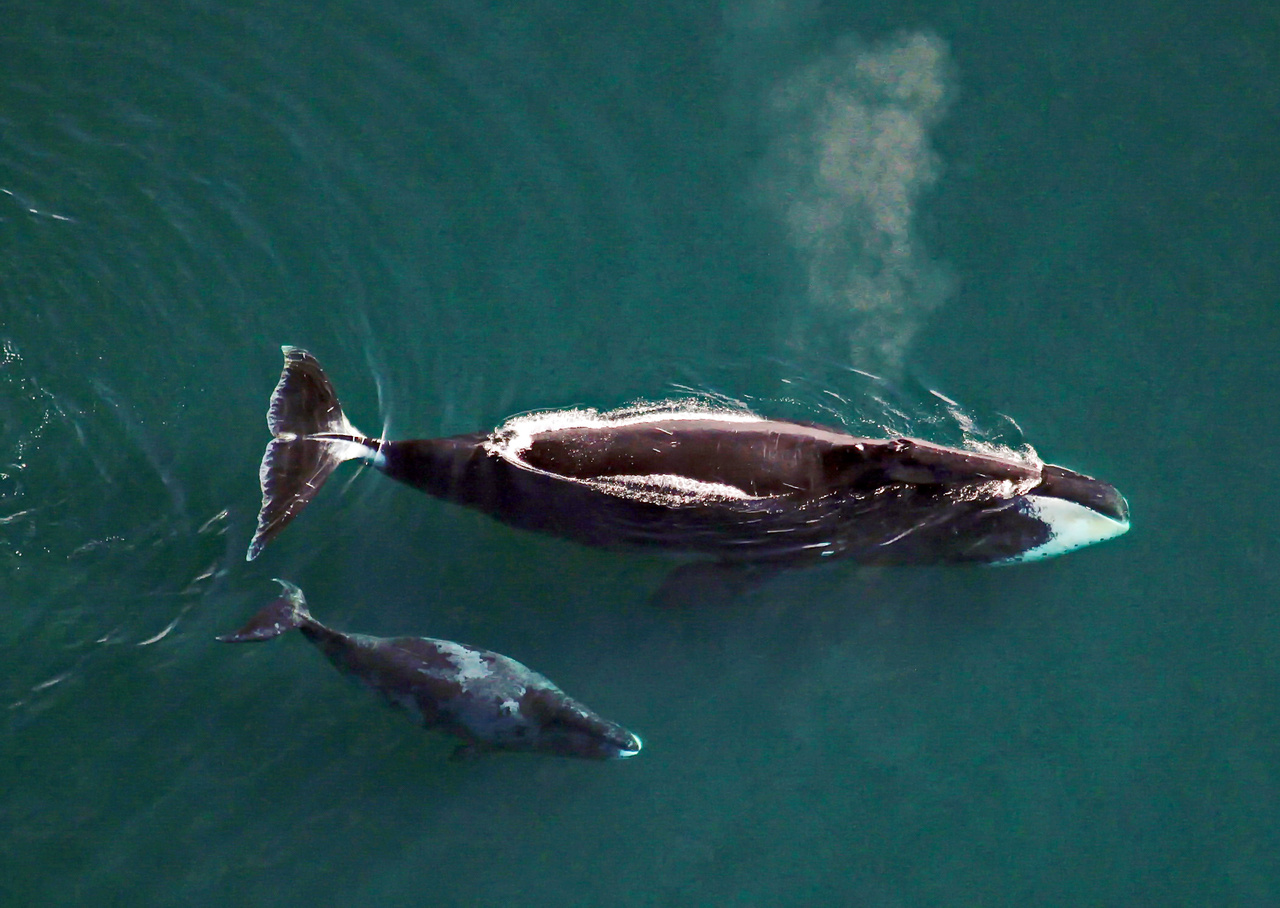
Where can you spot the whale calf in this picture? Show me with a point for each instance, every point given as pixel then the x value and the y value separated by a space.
pixel 724 484
pixel 490 701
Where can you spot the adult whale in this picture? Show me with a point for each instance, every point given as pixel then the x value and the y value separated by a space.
pixel 490 701
pixel 723 484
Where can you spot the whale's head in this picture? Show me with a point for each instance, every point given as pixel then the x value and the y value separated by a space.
pixel 1074 510
pixel 566 728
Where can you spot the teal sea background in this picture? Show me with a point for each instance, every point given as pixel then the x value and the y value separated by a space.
pixel 1063 216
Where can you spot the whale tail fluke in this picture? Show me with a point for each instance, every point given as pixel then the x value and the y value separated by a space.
pixel 283 614
pixel 312 436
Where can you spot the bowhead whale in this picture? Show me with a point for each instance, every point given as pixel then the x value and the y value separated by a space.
pixel 490 701
pixel 724 484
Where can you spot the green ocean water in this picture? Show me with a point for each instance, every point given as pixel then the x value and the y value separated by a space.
pixel 1063 217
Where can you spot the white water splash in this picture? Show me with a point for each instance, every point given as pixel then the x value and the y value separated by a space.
pixel 513 439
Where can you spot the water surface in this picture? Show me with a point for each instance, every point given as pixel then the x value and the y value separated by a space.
pixel 1062 217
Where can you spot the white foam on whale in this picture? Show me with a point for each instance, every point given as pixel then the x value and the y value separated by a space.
pixel 514 437
pixel 516 434
pixel 668 489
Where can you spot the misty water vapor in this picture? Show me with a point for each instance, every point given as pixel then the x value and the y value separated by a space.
pixel 848 163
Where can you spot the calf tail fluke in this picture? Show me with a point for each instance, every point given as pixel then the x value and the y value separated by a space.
pixel 312 436
pixel 283 614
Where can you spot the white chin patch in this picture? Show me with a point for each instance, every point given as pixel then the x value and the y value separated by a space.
pixel 633 749
pixel 1071 526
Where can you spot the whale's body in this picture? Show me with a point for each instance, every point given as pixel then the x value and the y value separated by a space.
pixel 489 700
pixel 726 485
